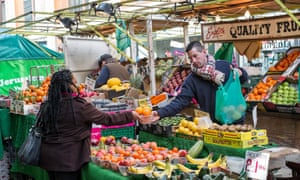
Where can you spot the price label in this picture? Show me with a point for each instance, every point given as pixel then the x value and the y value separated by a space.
pixel 256 164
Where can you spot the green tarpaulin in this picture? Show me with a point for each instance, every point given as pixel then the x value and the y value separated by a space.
pixel 225 52
pixel 17 56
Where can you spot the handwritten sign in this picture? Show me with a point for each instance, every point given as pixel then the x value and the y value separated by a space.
pixel 255 29
pixel 256 164
pixel 90 84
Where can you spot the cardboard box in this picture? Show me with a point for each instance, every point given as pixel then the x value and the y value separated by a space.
pixel 253 134
pixel 235 143
pixel 19 107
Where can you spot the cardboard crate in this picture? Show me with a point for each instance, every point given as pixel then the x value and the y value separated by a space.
pixel 253 134
pixel 110 94
pixel 235 143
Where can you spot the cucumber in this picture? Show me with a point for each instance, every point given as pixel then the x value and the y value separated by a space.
pixel 196 149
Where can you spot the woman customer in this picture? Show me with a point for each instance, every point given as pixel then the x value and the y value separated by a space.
pixel 67 120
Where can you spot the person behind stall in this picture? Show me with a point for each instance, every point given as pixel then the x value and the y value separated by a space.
pixel 201 84
pixel 66 127
pixel 112 69
pixel 101 61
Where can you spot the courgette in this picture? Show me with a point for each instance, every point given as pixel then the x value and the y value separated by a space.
pixel 196 149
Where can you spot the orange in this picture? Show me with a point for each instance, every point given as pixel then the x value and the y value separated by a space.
pixel 139 110
pixel 147 111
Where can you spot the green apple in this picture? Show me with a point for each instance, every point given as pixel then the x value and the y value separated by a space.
pixel 285 83
pixel 280 91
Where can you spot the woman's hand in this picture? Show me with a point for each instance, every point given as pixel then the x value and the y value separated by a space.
pixel 146 119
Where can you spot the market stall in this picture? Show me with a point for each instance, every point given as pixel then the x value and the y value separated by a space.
pixel 181 132
pixel 17 57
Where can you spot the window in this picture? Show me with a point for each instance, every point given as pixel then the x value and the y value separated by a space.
pixel 28 8
pixel 2 10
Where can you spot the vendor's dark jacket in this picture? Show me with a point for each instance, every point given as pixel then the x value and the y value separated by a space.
pixel 111 70
pixel 204 91
pixel 69 148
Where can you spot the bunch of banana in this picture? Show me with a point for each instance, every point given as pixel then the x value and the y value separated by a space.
pixel 162 165
pixel 166 172
pixel 200 161
pixel 140 170
pixel 187 170
pixel 220 162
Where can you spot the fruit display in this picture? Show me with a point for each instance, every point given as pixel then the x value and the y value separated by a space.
pixel 190 128
pixel 173 84
pixel 263 87
pixel 163 67
pixel 285 94
pixel 286 61
pixel 115 84
pixel 164 127
pixel 232 128
pixel 34 94
pixel 149 161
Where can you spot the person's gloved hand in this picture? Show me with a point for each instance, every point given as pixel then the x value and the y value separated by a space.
pixel 237 71
pixel 218 77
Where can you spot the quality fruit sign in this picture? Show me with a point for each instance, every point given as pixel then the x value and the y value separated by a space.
pixel 257 29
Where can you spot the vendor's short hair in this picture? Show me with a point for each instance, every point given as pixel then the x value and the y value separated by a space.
pixel 104 57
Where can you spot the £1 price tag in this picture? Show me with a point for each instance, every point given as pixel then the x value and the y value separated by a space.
pixel 256 164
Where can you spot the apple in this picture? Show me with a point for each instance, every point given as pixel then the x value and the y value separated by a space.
pixel 153 145
pixel 145 145
pixel 150 158
pixel 124 162
pixel 182 153
pixel 124 140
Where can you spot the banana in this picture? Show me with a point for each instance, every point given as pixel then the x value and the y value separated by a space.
pixel 159 164
pixel 159 174
pixel 220 162
pixel 185 169
pixel 162 165
pixel 140 170
pixel 200 161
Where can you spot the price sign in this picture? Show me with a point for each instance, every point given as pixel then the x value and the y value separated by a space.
pixel 90 84
pixel 256 164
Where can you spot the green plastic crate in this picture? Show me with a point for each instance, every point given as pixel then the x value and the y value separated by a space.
pixel 217 150
pixel 118 132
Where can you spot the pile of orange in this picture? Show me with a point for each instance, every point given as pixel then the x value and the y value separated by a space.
pixel 285 62
pixel 34 94
pixel 260 91
pixel 144 110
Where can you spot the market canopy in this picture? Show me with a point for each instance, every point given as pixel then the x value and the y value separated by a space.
pixel 165 14
pixel 15 47
pixel 23 61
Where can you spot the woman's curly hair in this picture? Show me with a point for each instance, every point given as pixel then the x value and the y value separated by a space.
pixel 60 88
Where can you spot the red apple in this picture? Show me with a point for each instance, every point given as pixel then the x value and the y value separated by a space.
pixel 124 140
pixel 182 153
pixel 124 162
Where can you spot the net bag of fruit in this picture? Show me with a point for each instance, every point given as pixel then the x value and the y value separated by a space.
pixel 230 102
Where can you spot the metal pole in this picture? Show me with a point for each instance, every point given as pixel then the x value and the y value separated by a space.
pixel 288 11
pixel 110 43
pixel 133 49
pixel 186 40
pixel 151 56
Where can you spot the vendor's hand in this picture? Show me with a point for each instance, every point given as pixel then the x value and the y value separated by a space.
pixel 155 115
pixel 237 70
pixel 219 77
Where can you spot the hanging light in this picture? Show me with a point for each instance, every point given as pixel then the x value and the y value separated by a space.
pixel 247 14
pixel 218 18
pixel 106 7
